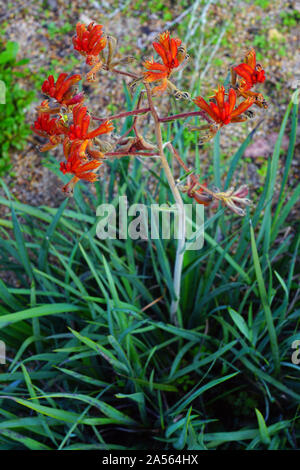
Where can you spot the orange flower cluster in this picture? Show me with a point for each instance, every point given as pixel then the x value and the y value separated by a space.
pixel 79 163
pixel 172 54
pixel 77 140
pixel 52 128
pixel 223 111
pixel 90 42
pixel 251 73
pixel 78 148
pixel 62 91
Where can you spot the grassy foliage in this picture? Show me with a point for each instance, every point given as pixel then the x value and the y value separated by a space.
pixel 92 359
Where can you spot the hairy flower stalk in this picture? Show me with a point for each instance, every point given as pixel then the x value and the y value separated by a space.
pixel 181 212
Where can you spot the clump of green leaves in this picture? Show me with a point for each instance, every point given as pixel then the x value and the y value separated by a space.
pixel 264 4
pixel 15 100
pixel 54 30
pixel 92 361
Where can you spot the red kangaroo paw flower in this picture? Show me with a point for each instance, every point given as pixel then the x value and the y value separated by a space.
pixel 171 55
pixel 78 163
pixel 61 90
pixel 89 41
pixel 223 112
pixel 250 71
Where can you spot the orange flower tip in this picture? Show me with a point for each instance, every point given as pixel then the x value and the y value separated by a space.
pixel 46 147
pixel 68 188
pixel 105 128
pixel 198 100
pixel 109 126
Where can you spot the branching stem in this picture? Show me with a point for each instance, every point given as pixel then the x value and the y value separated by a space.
pixel 174 311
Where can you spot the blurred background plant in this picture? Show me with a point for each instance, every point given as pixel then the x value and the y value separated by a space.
pixel 14 129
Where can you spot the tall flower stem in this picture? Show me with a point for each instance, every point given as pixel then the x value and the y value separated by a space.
pixel 192 176
pixel 174 310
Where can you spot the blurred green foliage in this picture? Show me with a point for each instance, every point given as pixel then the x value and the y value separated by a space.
pixel 290 19
pixel 13 128
pixel 55 30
